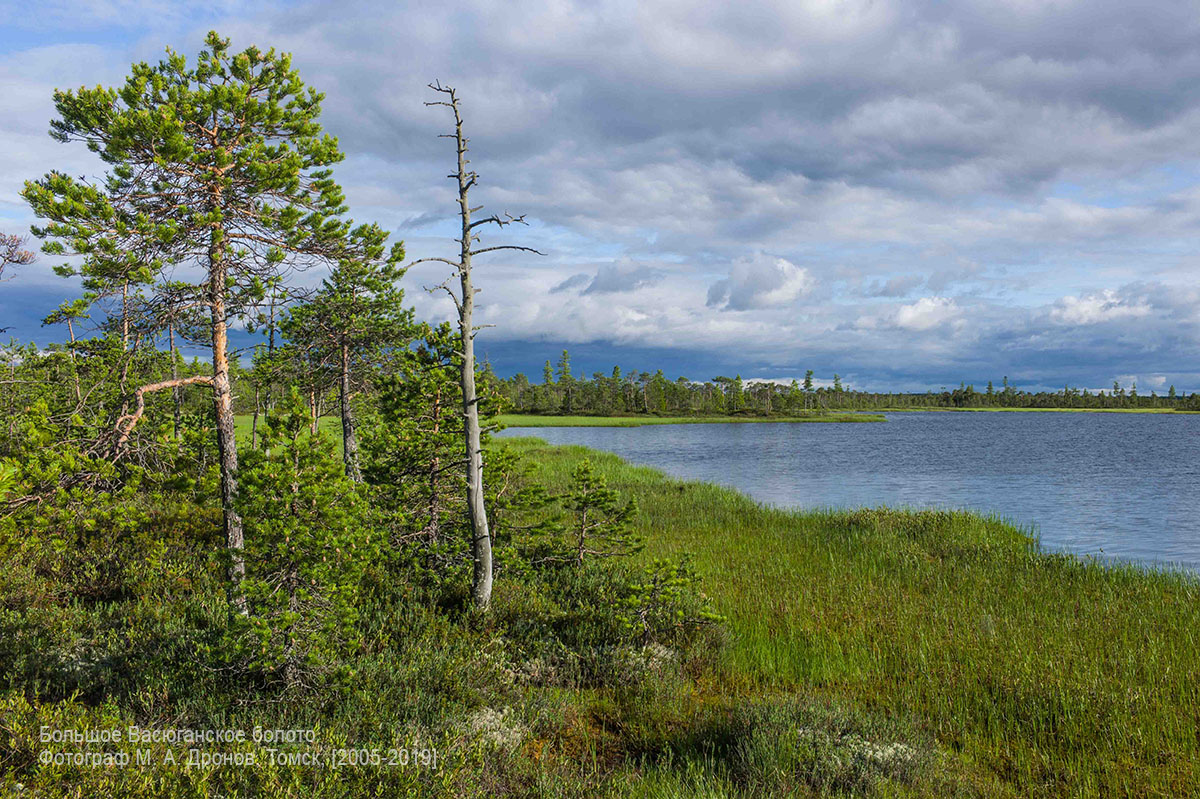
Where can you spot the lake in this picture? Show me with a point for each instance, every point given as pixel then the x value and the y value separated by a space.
pixel 1121 486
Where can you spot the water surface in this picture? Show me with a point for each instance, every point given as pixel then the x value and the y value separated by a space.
pixel 1122 486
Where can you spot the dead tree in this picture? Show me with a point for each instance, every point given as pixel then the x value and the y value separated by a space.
pixel 464 303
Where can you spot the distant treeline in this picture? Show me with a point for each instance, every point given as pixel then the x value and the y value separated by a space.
pixel 632 392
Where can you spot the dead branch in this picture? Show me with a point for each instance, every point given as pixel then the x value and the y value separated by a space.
pixel 126 423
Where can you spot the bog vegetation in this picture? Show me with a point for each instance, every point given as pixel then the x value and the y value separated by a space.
pixel 318 536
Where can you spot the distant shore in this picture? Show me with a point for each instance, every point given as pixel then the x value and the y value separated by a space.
pixel 537 420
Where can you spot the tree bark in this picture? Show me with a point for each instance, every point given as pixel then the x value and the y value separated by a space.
pixel 313 411
pixel 349 438
pixel 178 391
pixel 74 363
pixel 435 501
pixel 226 435
pixel 481 538
pixel 254 423
pixel 125 314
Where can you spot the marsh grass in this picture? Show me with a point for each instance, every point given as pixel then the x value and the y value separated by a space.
pixel 1001 409
pixel 1036 674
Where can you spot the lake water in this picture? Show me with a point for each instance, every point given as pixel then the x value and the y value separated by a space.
pixel 1115 485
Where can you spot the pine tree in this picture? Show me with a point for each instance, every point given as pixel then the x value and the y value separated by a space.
pixel 357 314
pixel 597 523
pixel 221 164
pixel 308 545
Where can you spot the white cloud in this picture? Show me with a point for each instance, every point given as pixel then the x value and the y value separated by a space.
pixel 1105 306
pixel 760 282
pixel 926 313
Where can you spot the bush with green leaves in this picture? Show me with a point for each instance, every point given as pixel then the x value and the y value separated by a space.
pixel 306 548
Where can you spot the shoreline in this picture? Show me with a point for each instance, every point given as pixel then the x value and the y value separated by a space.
pixel 961 623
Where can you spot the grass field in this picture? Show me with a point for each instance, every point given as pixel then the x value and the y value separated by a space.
pixel 1024 673
pixel 1032 674
pixel 330 425
pixel 1037 410
pixel 530 420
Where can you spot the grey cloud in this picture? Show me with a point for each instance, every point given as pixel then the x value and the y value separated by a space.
pixel 895 287
pixel 573 282
pixel 623 276
pixel 985 150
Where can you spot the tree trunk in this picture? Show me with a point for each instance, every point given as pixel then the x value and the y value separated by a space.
pixel 313 411
pixel 226 436
pixel 74 363
pixel 481 538
pixel 270 403
pixel 349 439
pixel 254 423
pixel 125 314
pixel 178 391
pixel 435 501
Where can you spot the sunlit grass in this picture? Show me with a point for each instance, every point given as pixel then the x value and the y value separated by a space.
pixel 1033 410
pixel 243 425
pixel 1038 674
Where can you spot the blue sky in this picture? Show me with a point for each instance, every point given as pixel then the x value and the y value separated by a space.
pixel 907 193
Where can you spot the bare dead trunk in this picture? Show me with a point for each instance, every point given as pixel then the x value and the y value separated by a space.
pixel 481 539
pixel 349 439
pixel 226 435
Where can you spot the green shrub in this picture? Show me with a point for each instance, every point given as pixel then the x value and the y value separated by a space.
pixel 305 552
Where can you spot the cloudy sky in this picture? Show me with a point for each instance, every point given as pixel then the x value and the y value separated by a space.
pixel 908 193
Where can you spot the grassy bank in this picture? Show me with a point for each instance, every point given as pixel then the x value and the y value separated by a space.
pixel 1032 674
pixel 1036 410
pixel 530 420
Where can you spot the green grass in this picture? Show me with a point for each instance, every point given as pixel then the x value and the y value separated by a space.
pixel 1035 410
pixel 243 423
pixel 531 420
pixel 1036 674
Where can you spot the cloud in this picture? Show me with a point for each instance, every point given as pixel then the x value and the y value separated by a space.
pixel 983 154
pixel 759 282
pixel 926 313
pixel 895 287
pixel 576 281
pixel 625 275
pixel 1104 306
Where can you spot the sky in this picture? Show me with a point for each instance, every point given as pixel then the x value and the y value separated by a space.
pixel 909 194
